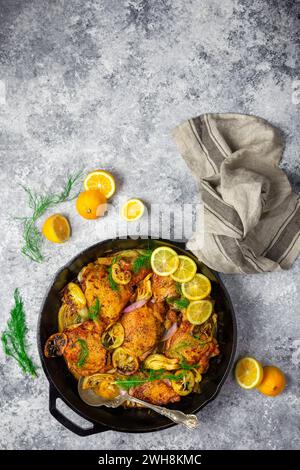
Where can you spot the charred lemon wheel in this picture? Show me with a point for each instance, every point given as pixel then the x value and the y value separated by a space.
pixel 199 311
pixel 164 261
pixel 56 345
pixel 101 180
pixel 67 317
pixel 113 337
pixel 91 204
pixel 186 269
pixel 56 229
pixel 248 373
pixel 198 288
pixel 185 383
pixel 120 275
pixel 124 361
pixel 132 210
pixel 102 384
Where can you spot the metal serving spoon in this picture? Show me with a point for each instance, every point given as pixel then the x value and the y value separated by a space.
pixel 92 399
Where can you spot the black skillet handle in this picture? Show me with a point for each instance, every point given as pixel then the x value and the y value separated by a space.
pixel 94 429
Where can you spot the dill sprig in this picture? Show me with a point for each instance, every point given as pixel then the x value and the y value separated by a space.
pixel 153 375
pixel 14 336
pixel 179 304
pixel 113 285
pixel 39 204
pixel 84 352
pixel 184 365
pixel 142 261
pixel 94 310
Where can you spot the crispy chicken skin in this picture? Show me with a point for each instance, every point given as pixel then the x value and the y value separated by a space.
pixel 95 284
pixel 184 346
pixel 163 287
pixel 90 332
pixel 158 392
pixel 142 331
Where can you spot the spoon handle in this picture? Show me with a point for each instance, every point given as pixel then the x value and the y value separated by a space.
pixel 190 421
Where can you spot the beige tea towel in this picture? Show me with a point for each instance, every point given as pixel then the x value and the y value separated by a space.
pixel 251 214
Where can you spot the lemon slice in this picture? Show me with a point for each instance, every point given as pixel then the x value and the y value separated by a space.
pixel 198 288
pixel 186 269
pixel 248 372
pixel 56 228
pixel 164 261
pixel 74 296
pixel 132 210
pixel 101 180
pixel 199 311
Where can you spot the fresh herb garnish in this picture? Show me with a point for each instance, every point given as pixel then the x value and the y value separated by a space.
pixel 84 352
pixel 178 303
pixel 14 337
pixel 152 375
pixel 94 310
pixel 142 261
pixel 184 365
pixel 113 285
pixel 32 237
pixel 135 380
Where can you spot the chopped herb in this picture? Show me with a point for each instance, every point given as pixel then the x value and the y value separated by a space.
pixel 84 352
pixel 94 310
pixel 113 285
pixel 39 204
pixel 14 337
pixel 184 365
pixel 178 303
pixel 142 261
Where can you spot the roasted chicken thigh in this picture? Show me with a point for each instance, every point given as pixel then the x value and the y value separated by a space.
pixel 85 337
pixel 95 284
pixel 142 330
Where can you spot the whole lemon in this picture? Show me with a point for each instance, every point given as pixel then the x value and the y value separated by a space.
pixel 273 381
pixel 91 204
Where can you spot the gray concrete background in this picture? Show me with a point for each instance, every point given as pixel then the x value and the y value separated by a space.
pixel 89 84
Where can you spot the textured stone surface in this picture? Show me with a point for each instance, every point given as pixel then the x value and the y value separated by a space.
pixel 100 84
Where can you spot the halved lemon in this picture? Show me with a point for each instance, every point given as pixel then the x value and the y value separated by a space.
pixel 199 311
pixel 132 210
pixel 101 180
pixel 198 288
pixel 56 228
pixel 164 261
pixel 186 269
pixel 248 372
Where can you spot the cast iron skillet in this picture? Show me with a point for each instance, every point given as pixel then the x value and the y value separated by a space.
pixel 64 386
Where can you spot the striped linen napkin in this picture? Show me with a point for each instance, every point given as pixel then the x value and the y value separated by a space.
pixel 251 214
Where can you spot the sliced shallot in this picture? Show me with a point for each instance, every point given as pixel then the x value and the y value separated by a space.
pixel 170 332
pixel 135 305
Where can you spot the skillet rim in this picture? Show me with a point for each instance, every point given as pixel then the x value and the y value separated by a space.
pixel 99 424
